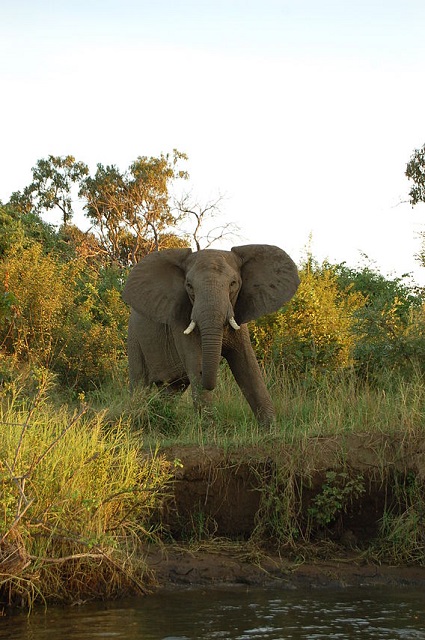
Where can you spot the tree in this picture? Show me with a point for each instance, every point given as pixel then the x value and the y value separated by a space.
pixel 53 179
pixel 415 171
pixel 20 228
pixel 74 243
pixel 22 201
pixel 130 211
pixel 133 212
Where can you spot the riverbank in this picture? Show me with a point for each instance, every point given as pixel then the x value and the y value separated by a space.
pixel 309 511
pixel 343 510
pixel 182 567
pixel 354 489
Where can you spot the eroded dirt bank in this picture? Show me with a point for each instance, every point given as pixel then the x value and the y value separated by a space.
pixel 230 511
pixel 193 566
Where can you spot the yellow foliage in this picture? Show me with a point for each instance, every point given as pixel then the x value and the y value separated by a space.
pixel 62 316
pixel 42 291
pixel 316 329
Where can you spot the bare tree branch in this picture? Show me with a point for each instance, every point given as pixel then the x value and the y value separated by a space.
pixel 199 216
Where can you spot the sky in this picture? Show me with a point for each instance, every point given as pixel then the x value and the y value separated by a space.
pixel 300 114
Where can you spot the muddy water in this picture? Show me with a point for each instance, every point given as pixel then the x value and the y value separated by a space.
pixel 234 614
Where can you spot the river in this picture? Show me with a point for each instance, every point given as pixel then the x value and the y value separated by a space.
pixel 233 614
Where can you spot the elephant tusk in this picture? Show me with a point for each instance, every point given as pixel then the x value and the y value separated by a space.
pixel 234 324
pixel 190 328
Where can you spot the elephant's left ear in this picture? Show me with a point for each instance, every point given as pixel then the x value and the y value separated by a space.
pixel 269 279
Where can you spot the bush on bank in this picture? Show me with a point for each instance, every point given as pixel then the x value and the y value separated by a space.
pixel 76 501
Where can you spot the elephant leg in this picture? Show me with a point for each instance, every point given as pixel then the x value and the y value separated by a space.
pixel 202 398
pixel 247 373
pixel 137 369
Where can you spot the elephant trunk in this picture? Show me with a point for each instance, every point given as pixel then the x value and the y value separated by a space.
pixel 211 355
pixel 211 312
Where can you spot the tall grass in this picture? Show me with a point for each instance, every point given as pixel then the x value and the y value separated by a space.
pixel 342 403
pixel 76 501
pixel 332 404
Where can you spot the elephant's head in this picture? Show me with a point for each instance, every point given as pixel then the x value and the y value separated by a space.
pixel 209 290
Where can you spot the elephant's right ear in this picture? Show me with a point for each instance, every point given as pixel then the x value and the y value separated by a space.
pixel 156 287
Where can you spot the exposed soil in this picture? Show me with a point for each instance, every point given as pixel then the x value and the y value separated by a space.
pixel 228 500
pixel 199 567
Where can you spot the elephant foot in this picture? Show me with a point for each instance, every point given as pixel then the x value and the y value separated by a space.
pixel 265 417
pixel 202 399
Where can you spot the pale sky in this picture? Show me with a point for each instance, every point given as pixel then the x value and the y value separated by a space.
pixel 301 113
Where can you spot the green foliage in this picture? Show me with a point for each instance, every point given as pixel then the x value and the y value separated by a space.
pixel 390 328
pixel 415 171
pixel 337 494
pixel 53 179
pixel 342 318
pixel 381 292
pixel 42 297
pixel 19 229
pixel 94 336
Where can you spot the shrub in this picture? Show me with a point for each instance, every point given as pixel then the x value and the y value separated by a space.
pixel 68 317
pixel 42 293
pixel 94 336
pixel 315 332
pixel 390 332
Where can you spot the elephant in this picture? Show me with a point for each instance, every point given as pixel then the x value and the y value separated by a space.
pixel 191 308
